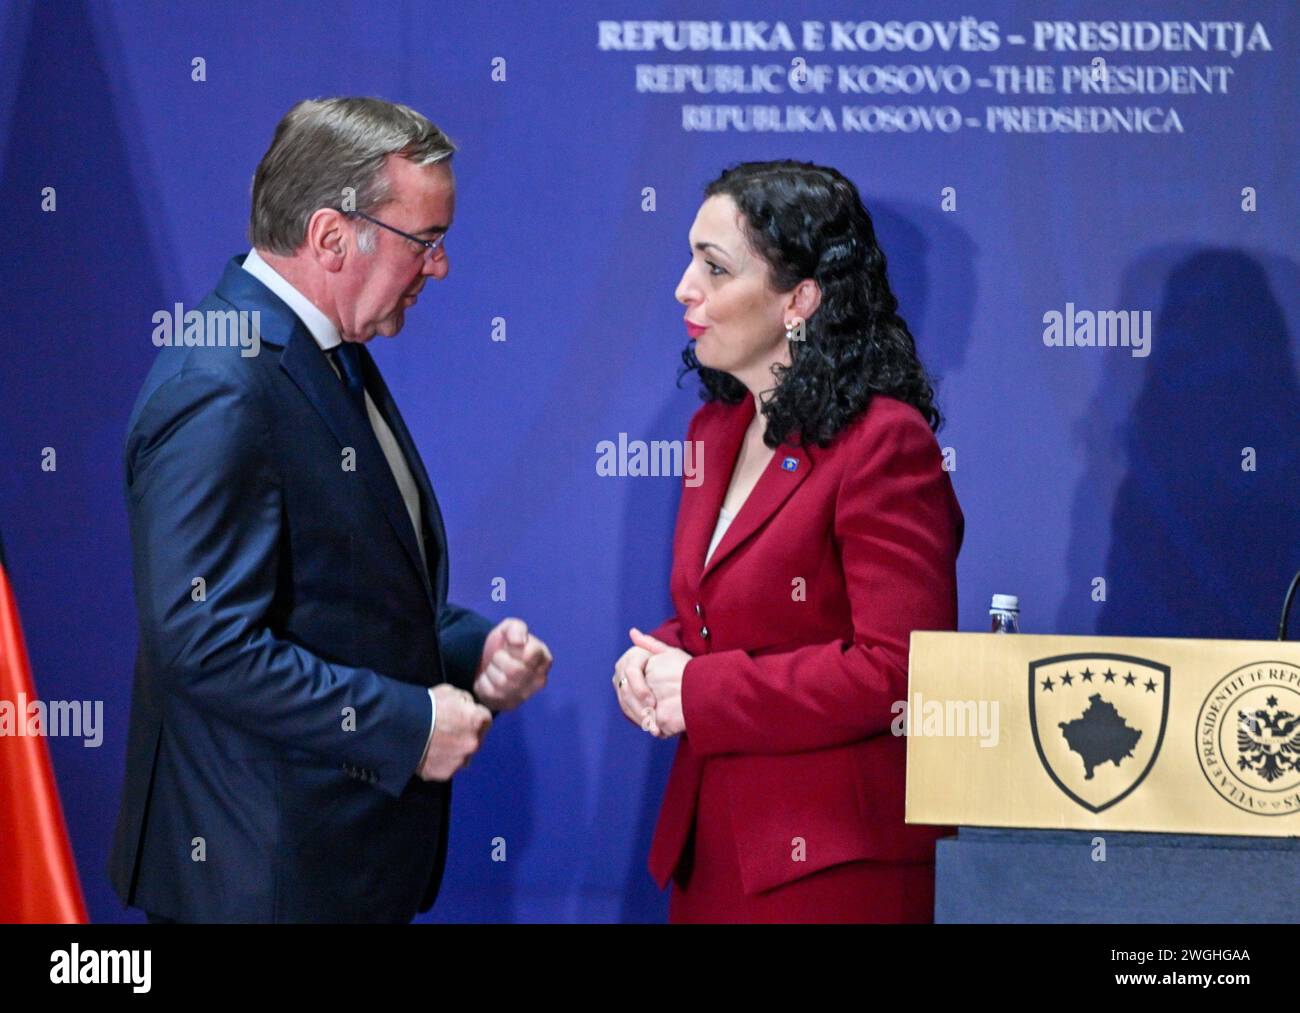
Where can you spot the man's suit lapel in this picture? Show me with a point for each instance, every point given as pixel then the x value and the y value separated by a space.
pixel 307 367
pixel 428 502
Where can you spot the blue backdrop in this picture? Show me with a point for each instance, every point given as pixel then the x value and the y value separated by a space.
pixel 1071 464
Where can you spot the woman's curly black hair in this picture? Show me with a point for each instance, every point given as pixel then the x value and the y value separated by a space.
pixel 808 221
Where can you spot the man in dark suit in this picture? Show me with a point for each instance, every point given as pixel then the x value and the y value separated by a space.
pixel 304 691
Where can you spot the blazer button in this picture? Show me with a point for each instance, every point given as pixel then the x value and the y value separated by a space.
pixel 704 632
pixel 698 611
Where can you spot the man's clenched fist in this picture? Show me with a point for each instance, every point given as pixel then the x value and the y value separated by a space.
pixel 513 666
pixel 458 731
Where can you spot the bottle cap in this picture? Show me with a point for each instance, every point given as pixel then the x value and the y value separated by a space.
pixel 1005 603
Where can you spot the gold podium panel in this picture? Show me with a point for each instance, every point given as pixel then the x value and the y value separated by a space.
pixel 1114 733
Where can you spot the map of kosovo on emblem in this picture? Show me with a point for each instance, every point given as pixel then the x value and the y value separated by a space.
pixel 1098 722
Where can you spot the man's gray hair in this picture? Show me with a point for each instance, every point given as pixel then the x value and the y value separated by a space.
pixel 324 146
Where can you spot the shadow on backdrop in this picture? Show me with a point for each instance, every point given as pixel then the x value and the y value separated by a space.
pixel 1186 516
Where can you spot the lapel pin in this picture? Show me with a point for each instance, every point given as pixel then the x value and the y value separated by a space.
pixel 790 463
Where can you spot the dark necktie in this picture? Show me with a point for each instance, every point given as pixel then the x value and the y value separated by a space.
pixel 348 356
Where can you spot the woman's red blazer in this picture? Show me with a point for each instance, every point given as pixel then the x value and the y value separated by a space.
pixel 799 628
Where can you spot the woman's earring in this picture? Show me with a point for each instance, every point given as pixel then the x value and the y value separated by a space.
pixel 794 329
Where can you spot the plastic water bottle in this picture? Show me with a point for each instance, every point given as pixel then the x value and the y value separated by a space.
pixel 1005 613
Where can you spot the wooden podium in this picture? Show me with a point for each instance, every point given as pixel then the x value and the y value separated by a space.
pixel 1107 779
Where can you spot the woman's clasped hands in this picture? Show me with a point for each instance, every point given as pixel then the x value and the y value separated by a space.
pixel 648 682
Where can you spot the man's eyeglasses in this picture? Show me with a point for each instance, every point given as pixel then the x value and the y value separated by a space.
pixel 431 246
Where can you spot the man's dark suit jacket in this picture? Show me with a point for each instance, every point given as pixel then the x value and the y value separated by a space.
pixel 288 633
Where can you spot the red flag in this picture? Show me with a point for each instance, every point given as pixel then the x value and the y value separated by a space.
pixel 38 877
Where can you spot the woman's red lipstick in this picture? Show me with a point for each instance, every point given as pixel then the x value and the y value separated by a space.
pixel 694 330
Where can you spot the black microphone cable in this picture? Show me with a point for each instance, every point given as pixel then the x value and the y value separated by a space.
pixel 1286 606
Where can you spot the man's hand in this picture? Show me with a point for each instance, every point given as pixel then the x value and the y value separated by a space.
pixel 513 667
pixel 458 731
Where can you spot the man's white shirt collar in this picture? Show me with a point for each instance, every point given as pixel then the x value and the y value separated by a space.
pixel 320 326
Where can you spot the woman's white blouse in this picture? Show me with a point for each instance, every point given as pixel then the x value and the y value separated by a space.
pixel 724 521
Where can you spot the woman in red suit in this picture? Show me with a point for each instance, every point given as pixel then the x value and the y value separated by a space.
pixel 824 531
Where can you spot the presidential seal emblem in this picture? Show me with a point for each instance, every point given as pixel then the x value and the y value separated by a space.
pixel 1248 738
pixel 1098 722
